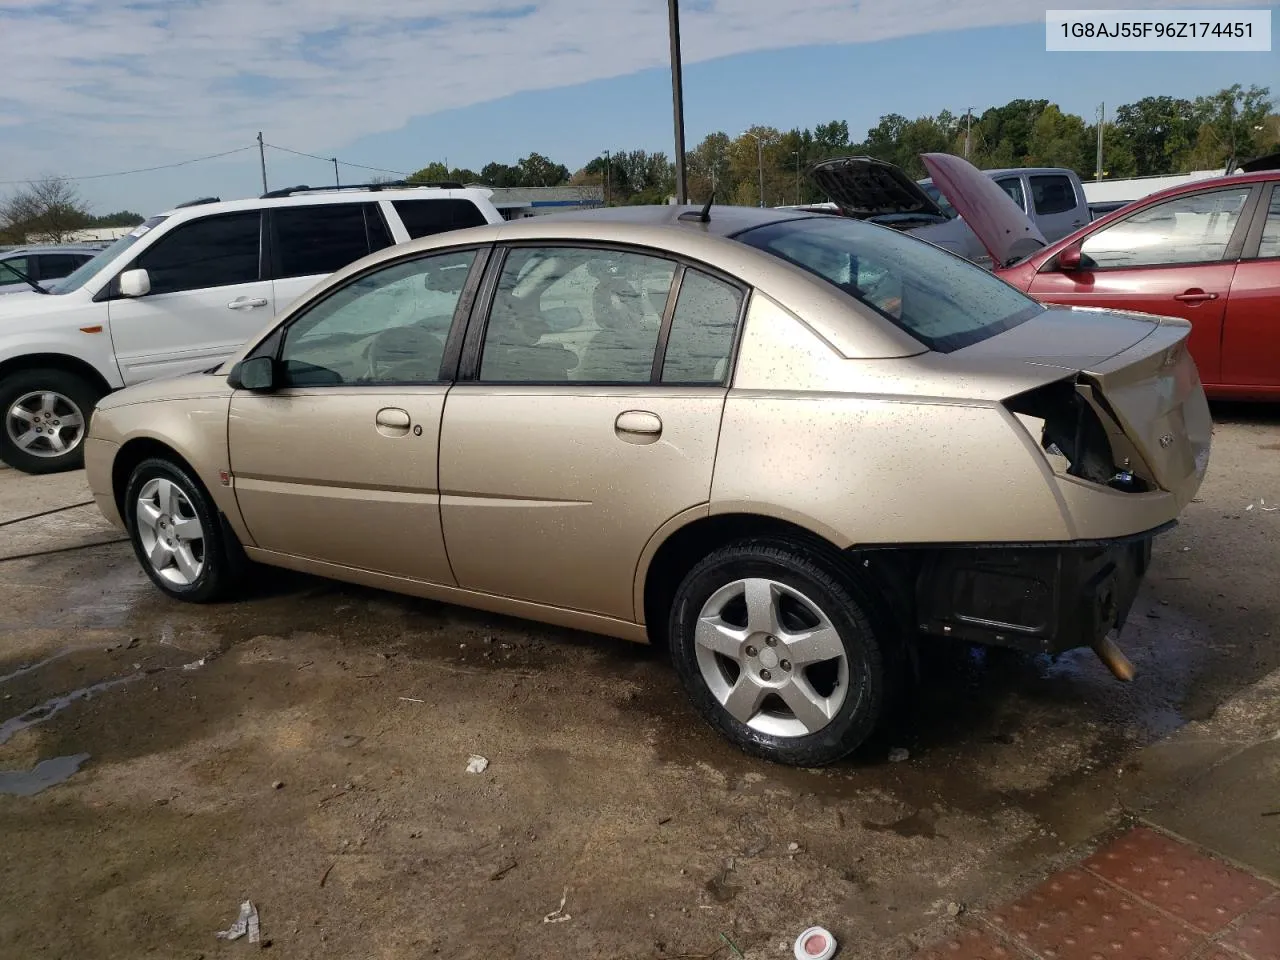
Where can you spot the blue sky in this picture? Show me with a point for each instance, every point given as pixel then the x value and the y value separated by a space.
pixel 426 80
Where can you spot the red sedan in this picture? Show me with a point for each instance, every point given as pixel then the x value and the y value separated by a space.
pixel 1207 251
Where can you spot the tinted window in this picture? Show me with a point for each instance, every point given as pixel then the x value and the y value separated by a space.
pixel 7 268
pixel 55 266
pixel 702 328
pixel 1271 229
pixel 1013 187
pixel 1194 229
pixel 87 270
pixel 943 301
pixel 376 228
pixel 1052 193
pixel 389 326
pixel 317 240
pixel 425 217
pixel 562 314
pixel 213 252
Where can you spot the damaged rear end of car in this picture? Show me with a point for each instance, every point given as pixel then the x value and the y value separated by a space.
pixel 1124 442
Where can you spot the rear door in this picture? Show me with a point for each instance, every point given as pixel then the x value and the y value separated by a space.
pixel 587 418
pixel 207 298
pixel 311 241
pixel 1174 258
pixel 1055 205
pixel 1251 329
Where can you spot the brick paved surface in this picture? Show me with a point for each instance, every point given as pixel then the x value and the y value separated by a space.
pixel 1143 897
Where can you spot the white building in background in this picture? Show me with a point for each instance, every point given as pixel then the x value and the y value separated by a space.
pixel 515 203
pixel 1135 188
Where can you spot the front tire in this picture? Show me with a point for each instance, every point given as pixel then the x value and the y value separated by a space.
pixel 777 654
pixel 178 535
pixel 45 418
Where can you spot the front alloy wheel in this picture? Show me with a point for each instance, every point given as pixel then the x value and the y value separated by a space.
pixel 169 532
pixel 776 652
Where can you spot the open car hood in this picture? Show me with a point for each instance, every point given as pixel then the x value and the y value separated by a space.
pixel 864 187
pixel 1006 232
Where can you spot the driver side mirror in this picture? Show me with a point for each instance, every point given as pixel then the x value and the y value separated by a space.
pixel 1069 259
pixel 135 283
pixel 257 374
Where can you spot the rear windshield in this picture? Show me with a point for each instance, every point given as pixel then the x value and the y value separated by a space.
pixel 945 302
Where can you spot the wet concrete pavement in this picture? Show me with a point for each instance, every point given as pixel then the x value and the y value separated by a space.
pixel 602 786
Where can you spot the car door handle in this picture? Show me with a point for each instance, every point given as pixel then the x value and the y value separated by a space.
pixel 392 421
pixel 638 426
pixel 242 303
pixel 1195 296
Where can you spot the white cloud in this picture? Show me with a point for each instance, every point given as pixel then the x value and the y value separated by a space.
pixel 126 82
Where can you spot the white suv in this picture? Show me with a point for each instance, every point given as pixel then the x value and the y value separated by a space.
pixel 181 292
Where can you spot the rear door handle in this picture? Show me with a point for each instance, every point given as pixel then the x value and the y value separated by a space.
pixel 393 422
pixel 1195 296
pixel 242 303
pixel 638 426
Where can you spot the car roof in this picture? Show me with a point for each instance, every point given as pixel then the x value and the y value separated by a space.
pixel 322 195
pixel 722 221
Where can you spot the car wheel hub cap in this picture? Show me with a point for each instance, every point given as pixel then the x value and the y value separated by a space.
pixel 169 532
pixel 44 424
pixel 771 657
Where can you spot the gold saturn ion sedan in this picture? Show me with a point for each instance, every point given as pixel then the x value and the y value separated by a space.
pixel 783 445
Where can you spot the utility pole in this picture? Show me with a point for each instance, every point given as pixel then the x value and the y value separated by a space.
pixel 337 180
pixel 797 178
pixel 677 99
pixel 760 166
pixel 968 130
pixel 1102 118
pixel 262 159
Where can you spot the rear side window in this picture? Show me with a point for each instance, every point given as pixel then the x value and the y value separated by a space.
pixel 943 301
pixel 55 266
pixel 1013 187
pixel 422 218
pixel 315 240
pixel 1270 246
pixel 1052 193
pixel 216 251
pixel 700 344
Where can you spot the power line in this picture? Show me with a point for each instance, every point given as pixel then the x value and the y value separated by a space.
pixel 125 173
pixel 345 163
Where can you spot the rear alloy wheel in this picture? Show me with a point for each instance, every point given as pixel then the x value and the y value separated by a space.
pixel 777 654
pixel 177 534
pixel 46 416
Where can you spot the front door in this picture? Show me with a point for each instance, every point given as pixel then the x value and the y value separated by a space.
pixel 591 421
pixel 1251 329
pixel 1170 259
pixel 207 298
pixel 340 464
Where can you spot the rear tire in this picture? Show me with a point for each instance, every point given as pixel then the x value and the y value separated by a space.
pixel 179 536
pixel 776 652
pixel 45 416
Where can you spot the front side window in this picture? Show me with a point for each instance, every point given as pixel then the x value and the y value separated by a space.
pixel 943 301
pixel 424 217
pixel 87 270
pixel 315 240
pixel 1052 193
pixel 1193 229
pixel 1013 187
pixel 389 326
pixel 1270 246
pixel 564 314
pixel 9 270
pixel 700 344
pixel 217 251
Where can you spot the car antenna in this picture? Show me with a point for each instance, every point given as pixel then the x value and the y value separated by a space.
pixel 703 215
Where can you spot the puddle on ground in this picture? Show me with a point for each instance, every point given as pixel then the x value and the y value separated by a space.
pixel 44 711
pixel 45 774
pixel 34 666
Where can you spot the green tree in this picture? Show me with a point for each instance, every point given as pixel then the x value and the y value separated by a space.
pixel 1158 132
pixel 537 171
pixel 1060 140
pixel 49 209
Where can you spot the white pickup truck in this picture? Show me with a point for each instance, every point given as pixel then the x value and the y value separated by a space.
pixel 182 292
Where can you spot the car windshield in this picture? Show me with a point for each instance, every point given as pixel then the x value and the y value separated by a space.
pixel 87 270
pixel 942 300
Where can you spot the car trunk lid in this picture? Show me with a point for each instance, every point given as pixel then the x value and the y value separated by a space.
pixel 1003 228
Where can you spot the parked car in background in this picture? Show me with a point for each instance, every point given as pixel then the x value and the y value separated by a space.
pixel 43 265
pixel 1207 252
pixel 783 444
pixel 1053 198
pixel 183 291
